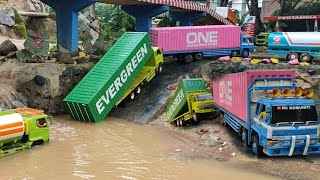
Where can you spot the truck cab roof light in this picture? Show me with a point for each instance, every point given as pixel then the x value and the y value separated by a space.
pixel 287 92
pixel 309 93
pixel 276 92
pixel 298 92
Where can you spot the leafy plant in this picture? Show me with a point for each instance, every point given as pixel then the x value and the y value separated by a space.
pixel 37 43
pixel 241 20
pixel 36 46
pixel 24 55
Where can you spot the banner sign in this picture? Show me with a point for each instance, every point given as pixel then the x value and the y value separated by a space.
pixel 250 23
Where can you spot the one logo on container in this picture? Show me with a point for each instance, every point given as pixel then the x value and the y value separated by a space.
pixel 225 92
pixel 199 39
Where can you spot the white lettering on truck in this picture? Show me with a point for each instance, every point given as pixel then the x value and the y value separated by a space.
pixel 114 88
pixel 199 39
pixel 225 92
pixel 176 102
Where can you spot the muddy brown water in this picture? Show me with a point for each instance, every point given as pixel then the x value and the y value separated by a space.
pixel 113 149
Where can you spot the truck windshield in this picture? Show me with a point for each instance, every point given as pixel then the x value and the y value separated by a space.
pixel 204 97
pixel 293 114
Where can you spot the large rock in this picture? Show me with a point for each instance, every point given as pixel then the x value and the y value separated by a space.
pixel 9 12
pixel 10 98
pixel 96 25
pixel 3 30
pixel 84 22
pixel 29 6
pixel 6 47
pixel 65 56
pixel 95 35
pixel 5 19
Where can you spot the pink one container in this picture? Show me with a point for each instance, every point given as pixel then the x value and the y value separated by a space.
pixel 192 38
pixel 230 92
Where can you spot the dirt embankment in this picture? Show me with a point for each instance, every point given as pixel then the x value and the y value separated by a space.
pixel 44 85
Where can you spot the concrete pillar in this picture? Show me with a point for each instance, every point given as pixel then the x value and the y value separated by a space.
pixel 144 14
pixel 186 18
pixel 316 25
pixel 277 26
pixel 67 21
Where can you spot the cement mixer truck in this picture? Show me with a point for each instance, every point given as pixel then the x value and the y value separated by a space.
pixel 269 112
pixel 303 46
pixel 22 128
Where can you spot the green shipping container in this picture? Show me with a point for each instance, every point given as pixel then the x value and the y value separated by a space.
pixel 179 100
pixel 96 94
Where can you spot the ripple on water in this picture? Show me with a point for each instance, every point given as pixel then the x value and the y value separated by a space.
pixel 83 175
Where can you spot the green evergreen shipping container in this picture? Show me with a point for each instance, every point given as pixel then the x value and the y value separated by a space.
pixel 179 100
pixel 96 94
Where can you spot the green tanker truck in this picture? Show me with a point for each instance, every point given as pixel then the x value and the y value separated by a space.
pixel 22 128
pixel 190 100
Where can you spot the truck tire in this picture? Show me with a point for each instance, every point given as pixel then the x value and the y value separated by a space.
pixel 234 54
pixel 244 136
pixel 245 53
pixel 188 58
pixel 222 120
pixel 181 122
pixel 195 117
pixel 138 90
pixel 132 96
pixel 160 68
pixel 178 122
pixel 305 57
pixel 292 56
pixel 256 148
pixel 198 56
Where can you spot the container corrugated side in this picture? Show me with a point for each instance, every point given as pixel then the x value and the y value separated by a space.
pixel 180 97
pixel 230 92
pixel 96 94
pixel 176 39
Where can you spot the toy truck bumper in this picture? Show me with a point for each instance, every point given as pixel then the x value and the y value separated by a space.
pixel 293 146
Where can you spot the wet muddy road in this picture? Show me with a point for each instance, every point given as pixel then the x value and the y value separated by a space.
pixel 114 149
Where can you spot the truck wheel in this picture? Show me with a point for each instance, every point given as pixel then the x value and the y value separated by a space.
pixel 305 57
pixel 234 54
pixel 178 122
pixel 245 53
pixel 138 90
pixel 292 56
pixel 194 117
pixel 222 120
pixel 132 96
pixel 188 58
pixel 181 122
pixel 256 148
pixel 198 56
pixel 245 138
pixel 160 68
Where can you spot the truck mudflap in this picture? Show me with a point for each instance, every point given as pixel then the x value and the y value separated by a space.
pixel 294 145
